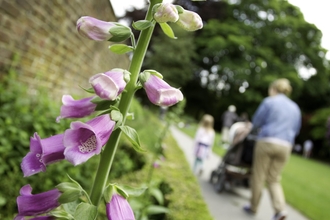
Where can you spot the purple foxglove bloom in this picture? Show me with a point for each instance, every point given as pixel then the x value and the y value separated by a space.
pixel 119 209
pixel 84 140
pixel 32 205
pixel 94 29
pixel 159 92
pixel 42 152
pixel 156 164
pixel 76 108
pixel 110 84
pixel 165 12
pixel 190 21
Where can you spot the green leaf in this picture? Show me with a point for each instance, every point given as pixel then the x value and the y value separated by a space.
pixel 141 25
pixel 85 211
pixel 134 191
pixel 116 115
pixel 167 30
pixel 108 192
pixel 69 196
pixel 132 135
pixel 103 104
pixel 90 90
pixel 157 194
pixel 120 33
pixel 155 209
pixel 61 214
pixel 130 116
pixel 120 48
pixel 70 207
pixel 121 191
pixel 70 192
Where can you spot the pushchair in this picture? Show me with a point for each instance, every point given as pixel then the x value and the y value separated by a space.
pixel 235 167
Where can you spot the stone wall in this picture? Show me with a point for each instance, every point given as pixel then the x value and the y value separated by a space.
pixel 38 39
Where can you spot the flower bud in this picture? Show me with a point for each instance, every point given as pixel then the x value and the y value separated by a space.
pixel 190 21
pixel 165 12
pixel 94 29
pixel 110 84
pixel 98 30
pixel 158 91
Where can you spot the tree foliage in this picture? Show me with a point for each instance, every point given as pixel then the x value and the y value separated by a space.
pixel 247 44
pixel 244 46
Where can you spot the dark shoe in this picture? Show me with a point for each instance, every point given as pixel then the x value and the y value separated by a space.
pixel 279 216
pixel 247 209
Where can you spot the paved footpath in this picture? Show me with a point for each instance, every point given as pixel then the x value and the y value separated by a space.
pixel 228 204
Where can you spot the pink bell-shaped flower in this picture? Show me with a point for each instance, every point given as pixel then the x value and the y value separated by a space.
pixel 110 84
pixel 84 140
pixel 76 108
pixel 158 91
pixel 32 205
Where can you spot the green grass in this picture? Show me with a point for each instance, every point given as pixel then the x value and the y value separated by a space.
pixel 306 183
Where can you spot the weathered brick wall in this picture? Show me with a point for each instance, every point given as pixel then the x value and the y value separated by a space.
pixel 42 35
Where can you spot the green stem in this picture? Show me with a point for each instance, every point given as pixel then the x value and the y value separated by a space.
pixel 108 154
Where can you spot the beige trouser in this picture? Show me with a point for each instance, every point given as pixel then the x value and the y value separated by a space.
pixel 268 162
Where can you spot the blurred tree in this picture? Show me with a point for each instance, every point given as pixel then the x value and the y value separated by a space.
pixel 244 46
pixel 173 57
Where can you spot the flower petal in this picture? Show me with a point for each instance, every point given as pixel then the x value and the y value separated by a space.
pixel 42 152
pixel 84 140
pixel 76 108
pixel 31 205
pixel 32 162
pixel 52 149
pixel 119 209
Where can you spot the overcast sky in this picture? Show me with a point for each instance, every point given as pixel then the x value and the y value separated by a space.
pixel 315 11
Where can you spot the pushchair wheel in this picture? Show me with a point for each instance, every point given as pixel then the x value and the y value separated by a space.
pixel 218 181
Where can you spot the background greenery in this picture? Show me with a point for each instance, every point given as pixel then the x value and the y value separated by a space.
pixel 243 46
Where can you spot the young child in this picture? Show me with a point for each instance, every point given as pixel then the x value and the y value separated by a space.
pixel 203 142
